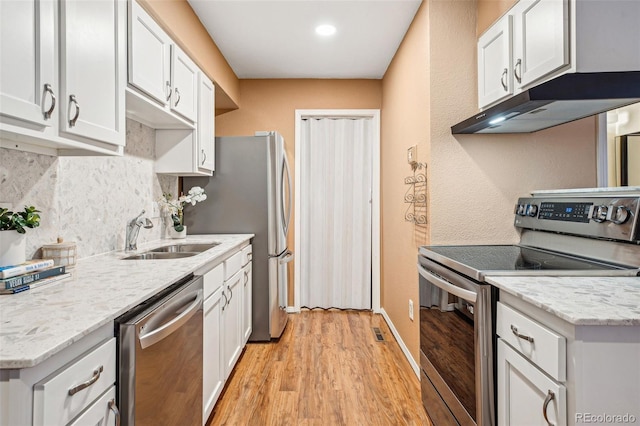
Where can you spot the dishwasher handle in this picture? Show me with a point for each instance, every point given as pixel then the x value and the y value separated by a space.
pixel 154 336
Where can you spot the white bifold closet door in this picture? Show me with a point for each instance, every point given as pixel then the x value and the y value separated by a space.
pixel 335 216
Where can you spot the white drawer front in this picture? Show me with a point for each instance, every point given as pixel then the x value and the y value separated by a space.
pixel 246 255
pixel 213 280
pixel 52 403
pixel 232 265
pixel 547 349
pixel 103 412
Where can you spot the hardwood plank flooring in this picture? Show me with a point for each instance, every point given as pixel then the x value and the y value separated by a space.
pixel 326 369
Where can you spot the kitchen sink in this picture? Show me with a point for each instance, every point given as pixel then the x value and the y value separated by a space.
pixel 155 256
pixel 184 248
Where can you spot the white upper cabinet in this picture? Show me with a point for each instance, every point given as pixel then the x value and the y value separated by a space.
pixel 541 39
pixel 93 69
pixel 206 124
pixel 28 86
pixel 184 84
pixel 163 80
pixel 537 40
pixel 63 77
pixel 495 81
pixel 149 55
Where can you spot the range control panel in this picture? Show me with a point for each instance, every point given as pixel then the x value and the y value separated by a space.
pixel 593 216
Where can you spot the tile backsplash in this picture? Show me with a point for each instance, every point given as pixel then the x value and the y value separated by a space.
pixel 88 200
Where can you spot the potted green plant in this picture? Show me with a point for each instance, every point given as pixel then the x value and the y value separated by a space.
pixel 173 210
pixel 12 233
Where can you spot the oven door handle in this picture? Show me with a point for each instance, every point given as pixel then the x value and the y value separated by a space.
pixel 467 295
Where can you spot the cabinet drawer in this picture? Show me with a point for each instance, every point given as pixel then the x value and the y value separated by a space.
pixel 52 402
pixel 232 265
pixel 103 412
pixel 247 255
pixel 213 280
pixel 542 346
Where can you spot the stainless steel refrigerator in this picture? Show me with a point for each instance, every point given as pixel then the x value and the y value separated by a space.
pixel 250 192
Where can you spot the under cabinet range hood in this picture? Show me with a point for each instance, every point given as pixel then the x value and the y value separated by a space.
pixel 566 98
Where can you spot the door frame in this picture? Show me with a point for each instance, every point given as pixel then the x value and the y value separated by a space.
pixel 374 115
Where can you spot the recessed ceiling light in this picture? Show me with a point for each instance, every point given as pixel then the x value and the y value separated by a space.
pixel 325 30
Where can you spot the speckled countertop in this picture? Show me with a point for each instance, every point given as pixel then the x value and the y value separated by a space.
pixel 579 300
pixel 36 324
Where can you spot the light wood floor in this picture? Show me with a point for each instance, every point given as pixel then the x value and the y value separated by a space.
pixel 326 369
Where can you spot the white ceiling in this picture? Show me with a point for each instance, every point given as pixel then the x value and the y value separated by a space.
pixel 276 39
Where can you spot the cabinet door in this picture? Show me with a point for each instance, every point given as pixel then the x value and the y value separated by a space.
pixel 93 69
pixel 541 39
pixel 525 393
pixel 495 80
pixel 184 83
pixel 247 305
pixel 28 82
pixel 103 412
pixel 231 320
pixel 149 55
pixel 206 126
pixel 213 367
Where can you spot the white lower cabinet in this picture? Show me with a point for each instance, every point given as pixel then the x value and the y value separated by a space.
pixel 526 396
pixel 223 329
pixel 103 412
pixel 231 320
pixel 76 386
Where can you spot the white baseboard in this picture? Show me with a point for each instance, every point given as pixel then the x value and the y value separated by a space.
pixel 293 310
pixel 405 350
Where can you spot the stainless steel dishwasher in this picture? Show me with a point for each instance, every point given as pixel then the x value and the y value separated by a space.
pixel 160 358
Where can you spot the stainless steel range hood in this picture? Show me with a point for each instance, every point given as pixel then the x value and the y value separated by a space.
pixel 566 98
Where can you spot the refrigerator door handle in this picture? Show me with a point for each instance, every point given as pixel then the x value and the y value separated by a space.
pixel 286 213
pixel 286 258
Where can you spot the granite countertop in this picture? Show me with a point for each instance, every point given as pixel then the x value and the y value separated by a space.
pixel 38 323
pixel 579 300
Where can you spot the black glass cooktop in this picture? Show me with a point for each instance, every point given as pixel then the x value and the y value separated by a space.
pixel 512 260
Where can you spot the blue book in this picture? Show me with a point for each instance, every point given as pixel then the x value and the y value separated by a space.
pixel 35 284
pixel 31 277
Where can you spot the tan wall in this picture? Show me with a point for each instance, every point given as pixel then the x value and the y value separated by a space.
pixel 271 105
pixel 180 21
pixel 405 122
pixel 473 180
pixel 489 11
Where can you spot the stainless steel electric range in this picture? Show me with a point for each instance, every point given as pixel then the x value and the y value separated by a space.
pixel 571 234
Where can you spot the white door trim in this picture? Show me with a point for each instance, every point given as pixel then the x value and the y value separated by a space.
pixel 374 114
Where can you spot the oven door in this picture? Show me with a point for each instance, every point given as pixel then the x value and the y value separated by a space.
pixel 456 346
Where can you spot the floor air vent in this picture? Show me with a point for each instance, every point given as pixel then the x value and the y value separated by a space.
pixel 378 334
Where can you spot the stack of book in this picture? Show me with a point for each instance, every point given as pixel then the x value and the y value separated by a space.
pixel 29 275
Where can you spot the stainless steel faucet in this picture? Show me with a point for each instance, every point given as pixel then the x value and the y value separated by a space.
pixel 133 228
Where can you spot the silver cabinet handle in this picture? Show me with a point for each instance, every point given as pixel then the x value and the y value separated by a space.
pixel 96 375
pixel 49 90
pixel 72 99
pixel 204 156
pixel 113 407
pixel 169 87
pixel 178 95
pixel 230 291
pixel 514 330
pixel 288 257
pixel 154 336
pixel 503 79
pixel 517 70
pixel 246 277
pixel 550 397
pixel 224 305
